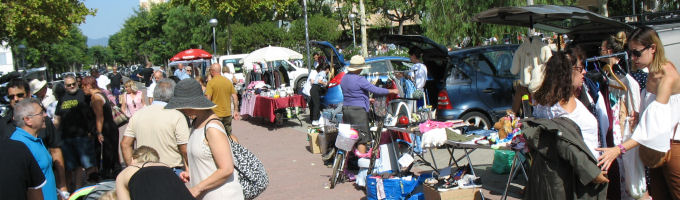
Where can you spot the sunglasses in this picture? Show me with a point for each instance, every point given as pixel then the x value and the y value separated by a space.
pixel 637 53
pixel 71 85
pixel 20 95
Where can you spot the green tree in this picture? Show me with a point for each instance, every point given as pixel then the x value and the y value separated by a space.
pixel 399 11
pixel 248 38
pixel 38 21
pixel 100 55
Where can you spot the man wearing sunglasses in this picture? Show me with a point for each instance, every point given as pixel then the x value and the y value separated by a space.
pixel 71 118
pixel 17 90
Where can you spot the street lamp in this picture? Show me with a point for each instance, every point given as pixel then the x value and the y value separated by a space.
pixel 22 51
pixel 352 16
pixel 213 23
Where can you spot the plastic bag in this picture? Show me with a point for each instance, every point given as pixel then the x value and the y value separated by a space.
pixel 394 188
pixel 502 161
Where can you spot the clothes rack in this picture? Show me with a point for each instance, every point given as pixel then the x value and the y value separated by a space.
pixel 624 54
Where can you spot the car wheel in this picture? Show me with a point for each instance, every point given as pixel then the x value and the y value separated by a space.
pixel 477 119
pixel 300 83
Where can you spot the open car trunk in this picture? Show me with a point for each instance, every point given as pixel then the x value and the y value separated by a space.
pixel 583 27
pixel 435 57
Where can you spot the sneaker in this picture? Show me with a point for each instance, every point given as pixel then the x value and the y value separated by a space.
pixel 470 181
pixel 315 122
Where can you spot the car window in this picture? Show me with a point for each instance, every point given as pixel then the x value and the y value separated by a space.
pixel 287 66
pixel 238 67
pixel 479 63
pixel 399 65
pixel 501 61
pixel 380 67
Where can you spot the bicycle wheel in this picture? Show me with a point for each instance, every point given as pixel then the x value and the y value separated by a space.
pixel 376 147
pixel 337 167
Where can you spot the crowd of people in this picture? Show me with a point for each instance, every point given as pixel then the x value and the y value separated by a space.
pixel 588 165
pixel 174 145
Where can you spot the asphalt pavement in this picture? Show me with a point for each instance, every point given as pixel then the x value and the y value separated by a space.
pixel 296 173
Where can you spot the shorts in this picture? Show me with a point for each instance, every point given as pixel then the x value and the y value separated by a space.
pixel 226 122
pixel 78 151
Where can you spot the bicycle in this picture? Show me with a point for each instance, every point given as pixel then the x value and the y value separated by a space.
pixel 341 155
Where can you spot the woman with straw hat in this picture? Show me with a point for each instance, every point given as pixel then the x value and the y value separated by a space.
pixel 355 89
pixel 211 164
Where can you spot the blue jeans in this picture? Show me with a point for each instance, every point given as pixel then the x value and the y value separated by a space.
pixel 78 151
pixel 116 93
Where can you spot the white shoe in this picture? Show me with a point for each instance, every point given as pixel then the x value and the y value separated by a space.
pixel 315 122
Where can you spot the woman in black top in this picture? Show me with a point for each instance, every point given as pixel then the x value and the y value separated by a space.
pixel 104 128
pixel 146 178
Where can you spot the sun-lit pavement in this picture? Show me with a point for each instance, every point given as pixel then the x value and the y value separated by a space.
pixel 295 173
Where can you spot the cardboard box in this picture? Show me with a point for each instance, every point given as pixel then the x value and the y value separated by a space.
pixel 314 142
pixel 453 194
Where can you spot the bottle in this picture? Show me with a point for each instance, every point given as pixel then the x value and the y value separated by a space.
pixel 526 106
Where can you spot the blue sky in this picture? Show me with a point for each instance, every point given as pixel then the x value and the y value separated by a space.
pixel 111 14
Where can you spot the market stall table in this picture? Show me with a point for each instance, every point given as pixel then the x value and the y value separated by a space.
pixel 266 106
pixel 468 147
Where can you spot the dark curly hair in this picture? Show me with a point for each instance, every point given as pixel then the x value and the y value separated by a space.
pixel 557 80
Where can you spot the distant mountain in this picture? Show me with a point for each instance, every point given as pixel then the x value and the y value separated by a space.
pixel 104 41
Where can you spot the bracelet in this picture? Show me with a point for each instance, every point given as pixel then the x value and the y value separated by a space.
pixel 623 149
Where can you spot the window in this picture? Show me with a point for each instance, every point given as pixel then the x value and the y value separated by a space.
pixel 238 67
pixel 502 62
pixel 480 63
pixel 399 65
pixel 380 67
pixel 3 58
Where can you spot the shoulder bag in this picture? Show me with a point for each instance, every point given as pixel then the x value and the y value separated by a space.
pixel 653 158
pixel 118 116
pixel 252 174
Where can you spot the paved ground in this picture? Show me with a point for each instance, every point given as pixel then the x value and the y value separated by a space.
pixel 296 173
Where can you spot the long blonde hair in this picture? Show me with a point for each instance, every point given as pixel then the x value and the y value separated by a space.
pixel 648 37
pixel 132 85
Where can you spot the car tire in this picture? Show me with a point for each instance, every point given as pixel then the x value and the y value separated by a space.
pixel 299 84
pixel 477 119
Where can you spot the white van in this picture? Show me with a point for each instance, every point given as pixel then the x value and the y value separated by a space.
pixel 235 65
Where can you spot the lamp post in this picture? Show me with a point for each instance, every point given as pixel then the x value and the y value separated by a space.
pixel 213 23
pixel 352 16
pixel 22 51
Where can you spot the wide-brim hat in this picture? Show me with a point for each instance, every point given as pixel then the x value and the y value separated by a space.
pixel 188 94
pixel 36 85
pixel 357 63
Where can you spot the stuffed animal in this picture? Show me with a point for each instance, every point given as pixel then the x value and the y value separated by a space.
pixel 504 126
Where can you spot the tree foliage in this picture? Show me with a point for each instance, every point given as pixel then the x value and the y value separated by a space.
pixel 399 11
pixel 450 21
pixel 39 21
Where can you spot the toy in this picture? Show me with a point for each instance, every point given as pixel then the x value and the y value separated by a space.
pixel 504 126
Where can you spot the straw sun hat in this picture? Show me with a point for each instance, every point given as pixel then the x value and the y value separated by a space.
pixel 357 63
pixel 189 95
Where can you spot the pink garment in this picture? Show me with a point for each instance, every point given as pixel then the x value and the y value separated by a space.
pixel 133 103
pixel 429 125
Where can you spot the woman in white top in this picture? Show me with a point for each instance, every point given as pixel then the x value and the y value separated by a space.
pixel 557 96
pixel 658 114
pixel 211 164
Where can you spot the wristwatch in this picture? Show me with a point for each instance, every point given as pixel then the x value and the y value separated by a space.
pixel 623 149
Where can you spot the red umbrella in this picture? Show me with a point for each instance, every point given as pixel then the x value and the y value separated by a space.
pixel 191 54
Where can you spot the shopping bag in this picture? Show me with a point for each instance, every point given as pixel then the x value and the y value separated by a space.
pixel 252 174
pixel 390 189
pixel 502 161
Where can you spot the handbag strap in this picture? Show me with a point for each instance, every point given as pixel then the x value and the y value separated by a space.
pixel 205 132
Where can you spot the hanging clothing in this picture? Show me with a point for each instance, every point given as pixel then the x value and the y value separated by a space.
pixel 529 61
pixel 641 77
